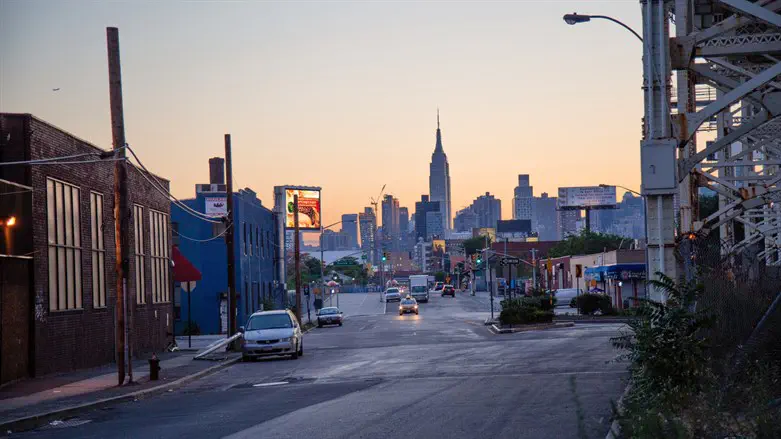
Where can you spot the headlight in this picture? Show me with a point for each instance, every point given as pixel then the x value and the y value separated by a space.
pixel 284 339
pixel 416 307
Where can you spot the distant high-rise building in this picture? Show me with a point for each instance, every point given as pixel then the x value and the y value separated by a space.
pixel 569 223
pixel 405 243
pixel 545 217
pixel 523 199
pixel 390 221
pixel 629 218
pixel 368 223
pixel 422 208
pixel 350 228
pixel 434 227
pixel 488 210
pixel 465 220
pixel 334 240
pixel 439 179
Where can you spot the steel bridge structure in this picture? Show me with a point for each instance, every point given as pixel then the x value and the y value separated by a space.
pixel 712 96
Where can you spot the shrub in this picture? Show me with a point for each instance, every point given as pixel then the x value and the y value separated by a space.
pixel 590 303
pixel 573 303
pixel 524 310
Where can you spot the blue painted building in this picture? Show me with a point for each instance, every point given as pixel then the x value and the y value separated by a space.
pixel 203 244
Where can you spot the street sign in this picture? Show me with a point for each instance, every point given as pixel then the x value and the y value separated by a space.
pixel 510 261
pixel 343 263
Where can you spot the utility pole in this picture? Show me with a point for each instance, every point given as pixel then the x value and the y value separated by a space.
pixel 298 258
pixel 229 234
pixel 121 210
pixel 534 268
pixel 322 263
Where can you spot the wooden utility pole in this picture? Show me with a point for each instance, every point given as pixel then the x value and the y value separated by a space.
pixel 121 210
pixel 229 239
pixel 298 259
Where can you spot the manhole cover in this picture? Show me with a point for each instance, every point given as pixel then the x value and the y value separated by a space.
pixel 73 422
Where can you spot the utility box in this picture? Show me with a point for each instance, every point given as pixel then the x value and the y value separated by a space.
pixel 658 166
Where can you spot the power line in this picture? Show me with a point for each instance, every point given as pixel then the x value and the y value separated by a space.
pixel 29 162
pixel 176 201
pixel 204 240
pixel 15 192
pixel 77 162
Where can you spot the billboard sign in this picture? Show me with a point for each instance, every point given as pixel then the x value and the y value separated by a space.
pixel 597 197
pixel 438 246
pixel 216 206
pixel 308 208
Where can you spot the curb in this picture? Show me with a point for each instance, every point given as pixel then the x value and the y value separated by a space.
pixel 615 427
pixel 497 330
pixel 32 421
pixel 593 321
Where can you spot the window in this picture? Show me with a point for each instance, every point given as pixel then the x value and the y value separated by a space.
pixel 140 279
pixel 250 240
pixel 257 242
pixel 160 251
pixel 247 295
pixel 262 245
pixel 62 207
pixel 98 250
pixel 245 238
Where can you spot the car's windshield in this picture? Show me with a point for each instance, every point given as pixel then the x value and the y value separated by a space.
pixel 269 321
pixel 418 289
pixel 393 290
pixel 325 311
pixel 408 302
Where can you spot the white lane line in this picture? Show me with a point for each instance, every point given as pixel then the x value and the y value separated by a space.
pixel 275 383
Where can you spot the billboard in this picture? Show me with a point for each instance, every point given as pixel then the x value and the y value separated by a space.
pixel 308 208
pixel 598 197
pixel 216 206
pixel 438 246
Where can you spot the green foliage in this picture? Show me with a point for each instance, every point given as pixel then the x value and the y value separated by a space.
pixel 525 310
pixel 268 304
pixel 590 303
pixel 573 303
pixel 474 245
pixel 587 242
pixel 350 267
pixel 439 276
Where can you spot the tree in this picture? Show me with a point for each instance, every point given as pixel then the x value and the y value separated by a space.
pixel 587 242
pixel 474 245
pixel 439 276
pixel 350 266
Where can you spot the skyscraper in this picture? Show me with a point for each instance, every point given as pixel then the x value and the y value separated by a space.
pixel 422 208
pixel 404 228
pixel 522 200
pixel 368 222
pixel 350 228
pixel 545 218
pixel 390 221
pixel 439 179
pixel 488 210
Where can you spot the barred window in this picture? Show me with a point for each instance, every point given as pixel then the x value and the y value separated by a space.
pixel 98 250
pixel 257 242
pixel 245 238
pixel 160 252
pixel 64 242
pixel 140 278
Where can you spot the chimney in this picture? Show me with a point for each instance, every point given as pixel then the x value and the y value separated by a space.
pixel 216 170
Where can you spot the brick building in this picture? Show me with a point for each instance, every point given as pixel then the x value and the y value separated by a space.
pixel 64 236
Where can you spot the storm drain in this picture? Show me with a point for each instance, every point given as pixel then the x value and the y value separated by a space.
pixel 72 422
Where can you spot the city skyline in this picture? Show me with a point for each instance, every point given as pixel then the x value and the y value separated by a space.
pixel 187 80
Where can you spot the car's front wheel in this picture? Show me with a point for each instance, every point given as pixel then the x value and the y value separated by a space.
pixel 301 350
pixel 294 355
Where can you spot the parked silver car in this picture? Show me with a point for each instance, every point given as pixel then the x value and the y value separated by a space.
pixel 272 333
pixel 392 295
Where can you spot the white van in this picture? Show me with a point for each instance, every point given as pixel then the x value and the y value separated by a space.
pixel 418 287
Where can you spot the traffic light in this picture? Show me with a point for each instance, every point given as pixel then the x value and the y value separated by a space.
pixel 479 259
pixel 578 270
pixel 384 256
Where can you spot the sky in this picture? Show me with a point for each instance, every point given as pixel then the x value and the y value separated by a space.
pixel 342 95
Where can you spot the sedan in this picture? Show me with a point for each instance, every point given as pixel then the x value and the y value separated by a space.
pixel 329 316
pixel 408 305
pixel 392 294
pixel 448 290
pixel 272 333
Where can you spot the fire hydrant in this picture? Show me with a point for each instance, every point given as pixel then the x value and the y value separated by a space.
pixel 154 368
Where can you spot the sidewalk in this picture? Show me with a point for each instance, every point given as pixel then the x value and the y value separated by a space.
pixel 32 402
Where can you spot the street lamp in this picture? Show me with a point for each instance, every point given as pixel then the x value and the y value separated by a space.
pixel 622 187
pixel 575 18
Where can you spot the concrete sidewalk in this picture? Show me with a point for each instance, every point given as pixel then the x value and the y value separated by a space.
pixel 32 402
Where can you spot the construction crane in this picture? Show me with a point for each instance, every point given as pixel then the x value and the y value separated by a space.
pixel 374 203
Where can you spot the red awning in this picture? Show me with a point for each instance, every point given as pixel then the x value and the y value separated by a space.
pixel 184 270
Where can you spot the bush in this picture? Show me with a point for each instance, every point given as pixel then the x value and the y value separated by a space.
pixel 573 303
pixel 590 303
pixel 524 310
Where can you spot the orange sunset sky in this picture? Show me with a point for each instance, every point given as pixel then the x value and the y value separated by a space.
pixel 342 95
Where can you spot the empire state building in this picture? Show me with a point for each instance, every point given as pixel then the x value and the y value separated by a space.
pixel 439 180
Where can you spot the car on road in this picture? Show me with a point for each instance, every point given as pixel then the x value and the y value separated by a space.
pixel 408 305
pixel 270 333
pixel 418 287
pixel 565 295
pixel 392 294
pixel 329 316
pixel 437 287
pixel 448 290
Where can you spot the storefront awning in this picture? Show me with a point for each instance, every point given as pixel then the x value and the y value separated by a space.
pixel 184 270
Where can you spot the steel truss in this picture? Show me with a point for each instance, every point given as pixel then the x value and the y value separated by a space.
pixel 724 58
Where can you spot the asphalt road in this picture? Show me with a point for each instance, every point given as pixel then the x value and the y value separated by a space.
pixel 439 374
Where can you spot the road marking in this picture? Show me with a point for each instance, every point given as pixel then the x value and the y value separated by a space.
pixel 275 383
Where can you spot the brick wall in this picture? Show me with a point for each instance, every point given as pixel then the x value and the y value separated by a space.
pixel 73 339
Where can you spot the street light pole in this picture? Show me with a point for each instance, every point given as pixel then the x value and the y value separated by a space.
pixel 575 18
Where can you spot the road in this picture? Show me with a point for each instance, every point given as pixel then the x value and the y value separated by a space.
pixel 439 374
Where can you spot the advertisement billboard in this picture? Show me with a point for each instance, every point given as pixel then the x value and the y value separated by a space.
pixel 438 246
pixel 308 208
pixel 216 206
pixel 597 197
